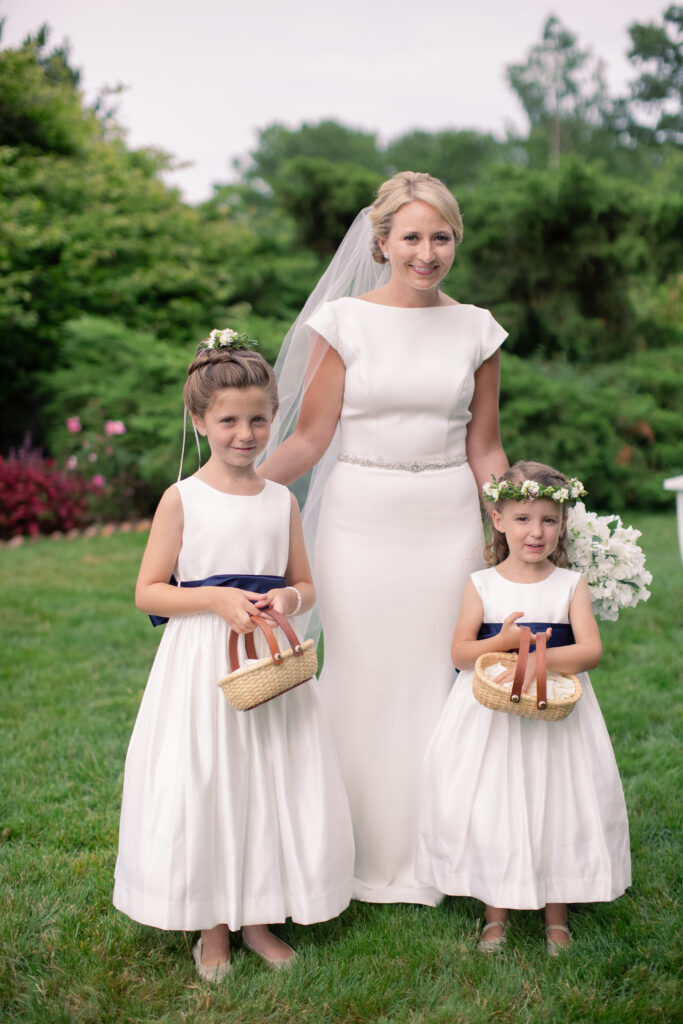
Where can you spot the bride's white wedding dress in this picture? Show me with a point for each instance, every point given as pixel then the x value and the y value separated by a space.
pixel 400 532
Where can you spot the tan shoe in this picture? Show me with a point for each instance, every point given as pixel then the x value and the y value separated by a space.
pixel 205 972
pixel 493 945
pixel 272 962
pixel 555 948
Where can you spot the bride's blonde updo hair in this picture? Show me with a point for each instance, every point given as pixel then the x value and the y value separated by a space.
pixel 405 187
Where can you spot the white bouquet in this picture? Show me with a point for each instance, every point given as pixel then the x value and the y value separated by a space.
pixel 606 553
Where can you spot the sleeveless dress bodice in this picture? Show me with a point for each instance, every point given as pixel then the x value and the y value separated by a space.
pixel 234 533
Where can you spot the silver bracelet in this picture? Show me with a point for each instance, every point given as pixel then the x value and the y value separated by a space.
pixel 298 600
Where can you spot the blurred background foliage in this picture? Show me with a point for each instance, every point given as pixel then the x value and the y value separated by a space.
pixel 572 238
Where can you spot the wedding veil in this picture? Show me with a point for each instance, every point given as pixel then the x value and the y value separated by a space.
pixel 352 271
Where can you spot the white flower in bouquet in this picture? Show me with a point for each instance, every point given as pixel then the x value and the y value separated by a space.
pixel 606 553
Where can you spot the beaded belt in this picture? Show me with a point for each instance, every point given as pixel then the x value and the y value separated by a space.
pixel 412 466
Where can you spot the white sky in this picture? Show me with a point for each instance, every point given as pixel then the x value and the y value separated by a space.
pixel 203 77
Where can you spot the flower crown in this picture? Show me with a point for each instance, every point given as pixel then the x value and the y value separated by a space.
pixel 528 490
pixel 227 338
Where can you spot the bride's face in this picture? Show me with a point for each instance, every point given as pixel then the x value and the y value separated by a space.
pixel 420 246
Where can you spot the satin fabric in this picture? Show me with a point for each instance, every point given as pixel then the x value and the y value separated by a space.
pixel 518 812
pixel 562 633
pixel 227 816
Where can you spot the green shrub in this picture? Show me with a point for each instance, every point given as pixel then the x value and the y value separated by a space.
pixel 617 427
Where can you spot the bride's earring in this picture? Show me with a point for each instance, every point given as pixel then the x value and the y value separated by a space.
pixel 386 255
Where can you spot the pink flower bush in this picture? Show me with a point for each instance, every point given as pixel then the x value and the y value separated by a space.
pixel 114 427
pixel 100 449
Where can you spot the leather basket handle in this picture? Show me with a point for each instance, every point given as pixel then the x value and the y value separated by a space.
pixel 522 659
pixel 261 624
pixel 541 699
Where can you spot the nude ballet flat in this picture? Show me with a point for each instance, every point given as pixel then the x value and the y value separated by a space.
pixel 205 972
pixel 275 965
pixel 493 945
pixel 555 948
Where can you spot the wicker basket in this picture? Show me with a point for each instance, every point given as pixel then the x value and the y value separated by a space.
pixel 498 698
pixel 248 686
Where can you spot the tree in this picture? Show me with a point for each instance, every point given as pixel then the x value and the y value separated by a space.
pixel 459 158
pixel 324 197
pixel 655 101
pixel 88 227
pixel 564 257
pixel 327 140
pixel 562 90
pixel 41 109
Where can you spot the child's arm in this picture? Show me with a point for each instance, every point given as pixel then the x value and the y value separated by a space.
pixel 580 656
pixel 465 648
pixel 297 574
pixel 155 595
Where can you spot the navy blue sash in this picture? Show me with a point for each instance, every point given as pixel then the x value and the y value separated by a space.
pixel 259 584
pixel 562 633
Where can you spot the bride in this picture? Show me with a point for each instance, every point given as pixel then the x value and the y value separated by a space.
pixel 398 391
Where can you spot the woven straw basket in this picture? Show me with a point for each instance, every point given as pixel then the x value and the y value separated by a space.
pixel 250 685
pixel 498 698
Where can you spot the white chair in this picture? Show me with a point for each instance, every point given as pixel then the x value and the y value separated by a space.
pixel 675 483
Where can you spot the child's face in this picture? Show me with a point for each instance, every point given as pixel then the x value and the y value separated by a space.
pixel 237 425
pixel 532 528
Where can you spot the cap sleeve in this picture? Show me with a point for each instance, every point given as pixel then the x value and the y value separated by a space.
pixel 492 337
pixel 324 322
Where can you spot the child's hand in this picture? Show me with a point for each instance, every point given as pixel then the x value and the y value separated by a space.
pixel 234 606
pixel 282 599
pixel 509 674
pixel 510 633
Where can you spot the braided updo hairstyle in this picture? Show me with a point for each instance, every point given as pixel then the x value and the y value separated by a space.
pixel 497 550
pixel 214 369
pixel 405 187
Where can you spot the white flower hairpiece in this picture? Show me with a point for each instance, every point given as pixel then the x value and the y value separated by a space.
pixel 227 338
pixel 606 553
pixel 530 490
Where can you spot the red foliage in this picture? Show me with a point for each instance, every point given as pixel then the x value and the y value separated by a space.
pixel 38 497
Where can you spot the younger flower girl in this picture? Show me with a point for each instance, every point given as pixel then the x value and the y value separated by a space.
pixel 517 812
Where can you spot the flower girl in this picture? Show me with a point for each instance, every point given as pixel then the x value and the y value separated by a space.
pixel 517 812
pixel 230 819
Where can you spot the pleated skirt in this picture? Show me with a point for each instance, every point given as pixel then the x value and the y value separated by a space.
pixel 228 816
pixel 520 813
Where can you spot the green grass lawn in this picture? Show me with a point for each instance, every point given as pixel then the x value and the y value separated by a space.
pixel 75 659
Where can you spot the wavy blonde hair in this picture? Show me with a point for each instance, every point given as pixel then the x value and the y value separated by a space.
pixel 497 550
